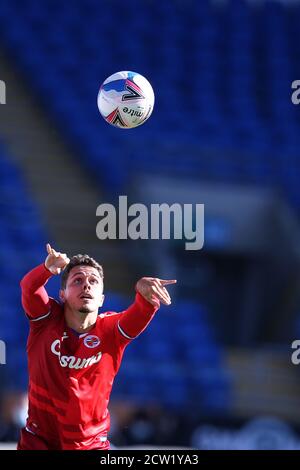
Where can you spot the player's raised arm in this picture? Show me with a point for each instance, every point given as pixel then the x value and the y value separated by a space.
pixel 35 299
pixel 151 291
pixel 55 261
pixel 154 291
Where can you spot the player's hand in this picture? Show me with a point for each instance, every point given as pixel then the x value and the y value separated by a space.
pixel 55 261
pixel 153 290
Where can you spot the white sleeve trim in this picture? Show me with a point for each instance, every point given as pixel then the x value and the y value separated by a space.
pixel 123 332
pixel 29 430
pixel 42 317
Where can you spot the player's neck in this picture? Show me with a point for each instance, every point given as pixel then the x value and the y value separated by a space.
pixel 78 321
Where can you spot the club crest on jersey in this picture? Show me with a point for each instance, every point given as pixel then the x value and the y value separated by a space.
pixel 91 341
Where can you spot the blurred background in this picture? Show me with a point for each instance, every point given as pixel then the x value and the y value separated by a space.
pixel 213 371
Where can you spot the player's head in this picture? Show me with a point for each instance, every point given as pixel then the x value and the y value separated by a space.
pixel 82 284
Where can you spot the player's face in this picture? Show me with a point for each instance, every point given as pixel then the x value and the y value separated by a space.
pixel 84 289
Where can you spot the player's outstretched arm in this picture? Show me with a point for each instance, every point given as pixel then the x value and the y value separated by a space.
pixel 35 299
pixel 150 292
pixel 154 290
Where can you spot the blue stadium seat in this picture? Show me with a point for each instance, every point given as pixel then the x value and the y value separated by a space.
pixel 20 226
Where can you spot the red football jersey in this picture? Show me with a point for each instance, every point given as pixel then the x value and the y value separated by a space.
pixel 71 375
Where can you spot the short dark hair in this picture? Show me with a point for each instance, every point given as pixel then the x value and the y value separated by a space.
pixel 80 260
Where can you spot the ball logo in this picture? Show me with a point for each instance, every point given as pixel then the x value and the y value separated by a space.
pixel 91 341
pixel 134 91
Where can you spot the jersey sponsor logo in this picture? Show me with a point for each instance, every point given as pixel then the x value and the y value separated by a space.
pixel 91 341
pixel 71 361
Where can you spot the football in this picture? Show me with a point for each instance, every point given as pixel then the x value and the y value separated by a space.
pixel 126 99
